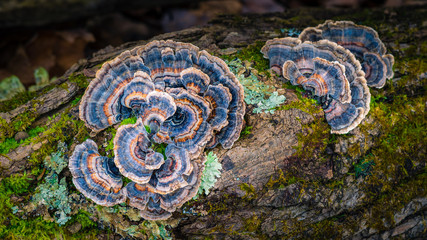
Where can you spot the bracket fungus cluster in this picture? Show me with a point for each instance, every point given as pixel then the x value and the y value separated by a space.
pixel 183 98
pixel 328 67
pixel 362 41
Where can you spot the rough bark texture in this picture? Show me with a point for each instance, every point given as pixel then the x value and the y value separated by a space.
pixel 289 177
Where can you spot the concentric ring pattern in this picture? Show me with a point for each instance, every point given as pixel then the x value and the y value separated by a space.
pixel 185 100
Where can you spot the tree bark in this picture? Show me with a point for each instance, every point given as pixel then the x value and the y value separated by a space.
pixel 268 187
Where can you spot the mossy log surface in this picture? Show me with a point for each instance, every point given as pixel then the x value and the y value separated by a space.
pixel 287 177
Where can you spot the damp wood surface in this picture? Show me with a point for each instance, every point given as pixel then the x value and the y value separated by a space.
pixel 287 177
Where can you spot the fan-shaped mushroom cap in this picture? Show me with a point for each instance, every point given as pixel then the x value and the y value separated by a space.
pixel 167 59
pixel 135 92
pixel 280 50
pixel 131 146
pixel 326 68
pixel 153 160
pixel 188 127
pixel 176 199
pixel 187 97
pixel 101 104
pixel 194 80
pixel 158 107
pixel 362 41
pixel 229 134
pixel 219 98
pixel 145 198
pixel 170 176
pixel 343 117
pixel 328 78
pixel 219 73
pixel 155 204
pixel 95 176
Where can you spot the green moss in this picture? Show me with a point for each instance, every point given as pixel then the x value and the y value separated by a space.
pixel 403 125
pixel 160 148
pixel 16 184
pixel 16 101
pixel 80 79
pixel 110 146
pixel 216 207
pixel 11 143
pixel 11 225
pixel 7 145
pixel 252 54
pixel 387 204
pixel 305 104
pixel 329 228
pixel 76 101
pixel 126 181
pixel 61 127
pixel 20 122
pixel 15 224
pixel 246 131
pixel 131 120
pixel 89 227
pixel 313 144
pixel 23 120
pixel 303 20
pixel 253 223
pixel 282 180
pixel 250 192
pixel 6 130
pixel 23 98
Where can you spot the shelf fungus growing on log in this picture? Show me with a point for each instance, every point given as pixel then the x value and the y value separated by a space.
pixel 329 72
pixel 96 176
pixel 185 100
pixel 362 41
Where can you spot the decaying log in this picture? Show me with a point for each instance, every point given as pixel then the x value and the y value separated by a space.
pixel 266 190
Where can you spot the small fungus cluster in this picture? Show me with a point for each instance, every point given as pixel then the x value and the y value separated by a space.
pixel 335 62
pixel 183 98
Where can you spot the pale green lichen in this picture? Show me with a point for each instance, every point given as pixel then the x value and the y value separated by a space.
pixel 143 230
pixel 210 174
pixel 157 230
pixel 290 32
pixel 256 93
pixel 10 86
pixel 53 193
pixel 42 79
pixel 41 75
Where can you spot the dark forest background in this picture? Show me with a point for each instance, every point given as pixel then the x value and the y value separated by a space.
pixel 56 34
